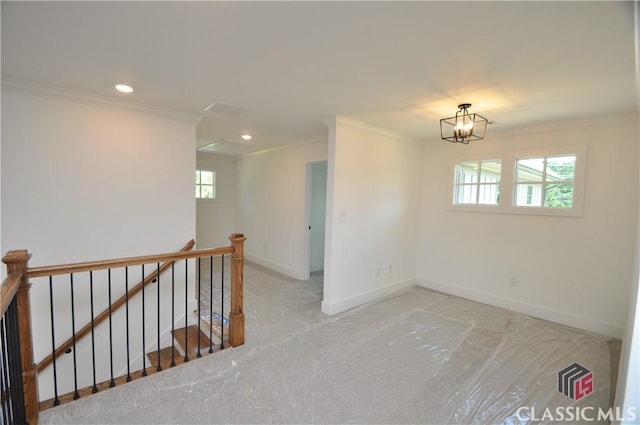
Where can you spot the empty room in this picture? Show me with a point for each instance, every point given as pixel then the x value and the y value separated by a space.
pixel 404 212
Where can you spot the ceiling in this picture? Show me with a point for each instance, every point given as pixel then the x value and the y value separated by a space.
pixel 396 65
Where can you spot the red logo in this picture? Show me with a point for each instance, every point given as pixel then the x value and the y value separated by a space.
pixel 575 381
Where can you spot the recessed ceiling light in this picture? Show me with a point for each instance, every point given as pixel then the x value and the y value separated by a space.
pixel 246 136
pixel 124 88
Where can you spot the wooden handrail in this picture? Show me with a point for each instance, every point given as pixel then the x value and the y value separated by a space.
pixel 125 262
pixel 9 289
pixel 104 315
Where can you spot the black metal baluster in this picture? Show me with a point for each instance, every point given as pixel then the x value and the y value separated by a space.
pixel 126 310
pixel 93 338
pixel 7 412
pixel 222 304
pixel 144 346
pixel 159 367
pixel 199 276
pixel 76 395
pixel 173 314
pixel 15 367
pixel 7 403
pixel 6 385
pixel 56 401
pixel 10 375
pixel 112 383
pixel 186 308
pixel 211 304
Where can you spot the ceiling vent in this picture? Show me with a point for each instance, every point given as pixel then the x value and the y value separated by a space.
pixel 222 108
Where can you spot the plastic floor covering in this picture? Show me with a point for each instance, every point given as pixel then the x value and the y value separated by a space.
pixel 416 357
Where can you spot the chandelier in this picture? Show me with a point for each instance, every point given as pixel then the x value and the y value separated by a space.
pixel 464 127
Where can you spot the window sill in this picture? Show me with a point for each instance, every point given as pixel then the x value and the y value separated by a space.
pixel 498 209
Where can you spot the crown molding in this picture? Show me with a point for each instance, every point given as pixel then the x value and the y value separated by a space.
pixel 330 122
pixel 579 123
pixel 42 90
pixel 269 149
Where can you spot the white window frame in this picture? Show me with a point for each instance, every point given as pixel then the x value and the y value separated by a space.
pixel 477 187
pixel 506 204
pixel 215 185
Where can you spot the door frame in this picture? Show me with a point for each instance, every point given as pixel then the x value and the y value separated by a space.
pixel 308 209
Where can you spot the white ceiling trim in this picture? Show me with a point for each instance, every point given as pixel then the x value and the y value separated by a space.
pixel 42 90
pixel 363 125
pixel 288 146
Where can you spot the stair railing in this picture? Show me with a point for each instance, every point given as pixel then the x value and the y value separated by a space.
pixel 90 277
pixel 18 373
pixel 105 314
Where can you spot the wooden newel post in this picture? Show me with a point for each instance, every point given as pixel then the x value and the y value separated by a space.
pixel 17 261
pixel 236 316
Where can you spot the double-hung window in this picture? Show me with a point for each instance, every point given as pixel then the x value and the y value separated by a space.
pixel 477 183
pixel 205 184
pixel 545 182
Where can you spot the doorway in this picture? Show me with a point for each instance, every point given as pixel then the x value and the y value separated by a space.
pixel 316 215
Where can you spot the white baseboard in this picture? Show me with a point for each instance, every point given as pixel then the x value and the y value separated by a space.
pixel 277 267
pixel 336 307
pixel 544 313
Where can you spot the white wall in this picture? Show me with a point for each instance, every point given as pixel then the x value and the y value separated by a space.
pixel 372 214
pixel 271 206
pixel 85 179
pixel 628 388
pixel 2 268
pixel 572 270
pixel 628 391
pixel 215 220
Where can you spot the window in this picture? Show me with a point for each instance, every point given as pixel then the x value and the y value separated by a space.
pixel 205 184
pixel 546 182
pixel 477 183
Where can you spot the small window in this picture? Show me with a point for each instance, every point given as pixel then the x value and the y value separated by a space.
pixel 205 184
pixel 477 183
pixel 545 182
